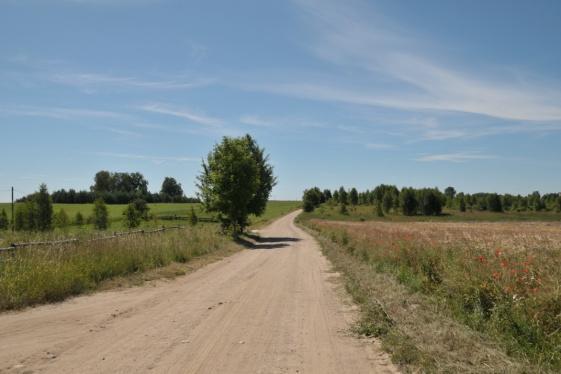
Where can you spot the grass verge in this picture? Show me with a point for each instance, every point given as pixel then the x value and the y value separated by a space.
pixel 35 275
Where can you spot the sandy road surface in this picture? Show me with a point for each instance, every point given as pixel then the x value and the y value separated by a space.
pixel 271 309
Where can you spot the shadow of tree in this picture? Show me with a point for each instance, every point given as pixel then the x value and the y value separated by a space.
pixel 251 241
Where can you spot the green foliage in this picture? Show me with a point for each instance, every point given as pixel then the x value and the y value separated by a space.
pixel 44 208
pixel 100 215
pixel 379 210
pixel 494 203
pixel 343 195
pixel 36 213
pixel 430 201
pixel 236 181
pixel 462 204
pixel 558 204
pixel 4 223
pixel 61 219
pixel 387 201
pixel 142 207
pixel 193 219
pixel 343 209
pixel 353 196
pixel 132 216
pixel 336 196
pixel 409 201
pixel 312 198
pixel 327 194
pixel 79 219
pixel 171 189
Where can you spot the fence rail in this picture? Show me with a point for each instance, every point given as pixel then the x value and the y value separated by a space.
pixel 115 235
pixel 186 218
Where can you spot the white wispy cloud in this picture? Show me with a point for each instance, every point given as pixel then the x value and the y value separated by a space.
pixel 61 113
pixel 455 157
pixel 254 120
pixel 155 159
pixel 182 112
pixel 381 50
pixel 92 81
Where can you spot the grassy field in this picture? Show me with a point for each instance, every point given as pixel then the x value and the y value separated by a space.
pixel 368 213
pixel 40 274
pixel 422 284
pixel 274 209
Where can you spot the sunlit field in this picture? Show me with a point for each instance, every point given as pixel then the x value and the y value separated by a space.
pixel 500 278
pixel 161 214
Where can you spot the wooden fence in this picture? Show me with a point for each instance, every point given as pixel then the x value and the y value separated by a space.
pixel 115 235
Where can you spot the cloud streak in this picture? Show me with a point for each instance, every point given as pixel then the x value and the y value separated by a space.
pixel 155 159
pixel 455 157
pixel 93 81
pixel 382 51
pixel 62 113
pixel 183 113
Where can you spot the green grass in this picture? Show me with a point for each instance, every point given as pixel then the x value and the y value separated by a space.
pixel 42 274
pixel 368 213
pixel 274 210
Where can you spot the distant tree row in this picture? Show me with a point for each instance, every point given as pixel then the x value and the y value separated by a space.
pixel 121 188
pixel 430 201
pixel 36 213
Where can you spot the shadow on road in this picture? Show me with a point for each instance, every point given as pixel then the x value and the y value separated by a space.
pixel 251 241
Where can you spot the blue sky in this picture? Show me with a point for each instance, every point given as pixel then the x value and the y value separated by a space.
pixel 431 93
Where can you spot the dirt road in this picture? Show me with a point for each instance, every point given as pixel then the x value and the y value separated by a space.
pixel 275 308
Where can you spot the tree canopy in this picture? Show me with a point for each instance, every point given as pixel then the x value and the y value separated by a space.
pixel 236 181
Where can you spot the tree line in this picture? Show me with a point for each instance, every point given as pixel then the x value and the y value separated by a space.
pixel 429 201
pixel 121 188
pixel 36 213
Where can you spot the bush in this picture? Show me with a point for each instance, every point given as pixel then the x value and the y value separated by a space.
pixel 132 216
pixel 494 203
pixel 409 201
pixel 79 219
pixel 312 199
pixel 142 208
pixel 100 215
pixel 61 219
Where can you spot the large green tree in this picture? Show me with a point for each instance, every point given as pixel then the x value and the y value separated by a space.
pixel 236 181
pixel 171 189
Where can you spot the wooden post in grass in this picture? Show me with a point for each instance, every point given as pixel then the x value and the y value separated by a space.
pixel 13 220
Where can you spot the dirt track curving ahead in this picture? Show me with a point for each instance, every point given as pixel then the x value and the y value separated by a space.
pixel 275 308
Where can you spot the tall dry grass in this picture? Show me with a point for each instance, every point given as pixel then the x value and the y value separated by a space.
pixel 502 279
pixel 35 275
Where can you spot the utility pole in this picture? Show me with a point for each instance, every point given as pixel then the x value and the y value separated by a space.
pixel 13 218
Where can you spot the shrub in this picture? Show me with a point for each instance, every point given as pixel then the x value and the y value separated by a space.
pixel 132 216
pixel 100 215
pixel 142 208
pixel 61 219
pixel 409 201
pixel 79 219
pixel 193 219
